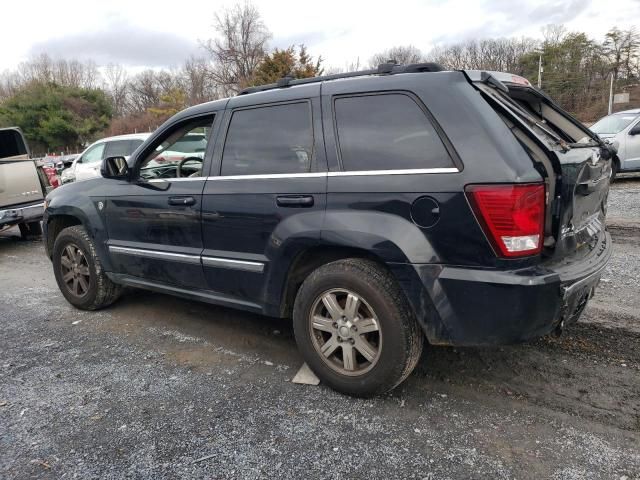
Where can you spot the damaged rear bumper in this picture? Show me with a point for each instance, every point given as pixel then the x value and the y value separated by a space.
pixel 465 306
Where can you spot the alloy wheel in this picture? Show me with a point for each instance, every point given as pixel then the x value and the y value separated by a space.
pixel 345 332
pixel 75 270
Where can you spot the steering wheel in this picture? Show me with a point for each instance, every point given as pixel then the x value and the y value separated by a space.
pixel 185 160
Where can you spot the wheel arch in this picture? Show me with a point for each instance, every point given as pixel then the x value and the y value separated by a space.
pixel 54 225
pixel 308 260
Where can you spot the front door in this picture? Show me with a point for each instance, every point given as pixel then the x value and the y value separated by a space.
pixel 153 222
pixel 632 150
pixel 268 200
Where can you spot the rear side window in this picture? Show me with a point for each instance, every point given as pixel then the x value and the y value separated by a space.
pixel 387 132
pixel 269 140
pixel 121 148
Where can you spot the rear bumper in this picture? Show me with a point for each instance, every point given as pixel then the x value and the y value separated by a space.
pixel 24 213
pixel 464 306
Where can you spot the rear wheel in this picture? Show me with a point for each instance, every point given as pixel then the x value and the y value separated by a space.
pixel 79 273
pixel 355 329
pixel 30 229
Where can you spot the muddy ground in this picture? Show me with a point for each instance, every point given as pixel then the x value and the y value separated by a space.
pixel 159 387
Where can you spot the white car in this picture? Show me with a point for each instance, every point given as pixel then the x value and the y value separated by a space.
pixel 623 130
pixel 87 165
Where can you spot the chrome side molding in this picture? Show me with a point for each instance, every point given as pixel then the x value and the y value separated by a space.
pixel 219 262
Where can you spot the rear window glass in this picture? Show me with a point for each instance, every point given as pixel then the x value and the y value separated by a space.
pixel 269 140
pixel 387 132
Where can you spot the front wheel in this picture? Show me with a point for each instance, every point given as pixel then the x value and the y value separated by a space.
pixel 79 272
pixel 355 329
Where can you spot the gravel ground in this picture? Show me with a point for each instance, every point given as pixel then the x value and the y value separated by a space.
pixel 158 387
pixel 624 198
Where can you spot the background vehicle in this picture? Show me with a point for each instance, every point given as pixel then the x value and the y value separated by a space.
pixel 65 161
pixel 23 185
pixel 383 218
pixel 87 165
pixel 623 129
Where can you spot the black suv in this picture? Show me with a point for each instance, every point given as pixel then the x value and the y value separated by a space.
pixel 375 208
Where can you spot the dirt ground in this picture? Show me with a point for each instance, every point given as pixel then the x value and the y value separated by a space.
pixel 159 387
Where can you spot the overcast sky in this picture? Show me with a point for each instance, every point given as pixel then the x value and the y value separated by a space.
pixel 157 34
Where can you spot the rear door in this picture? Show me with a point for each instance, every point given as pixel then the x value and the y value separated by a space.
pixel 266 197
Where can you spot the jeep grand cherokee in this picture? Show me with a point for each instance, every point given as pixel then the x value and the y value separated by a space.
pixel 377 209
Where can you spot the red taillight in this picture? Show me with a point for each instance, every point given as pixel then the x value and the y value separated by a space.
pixel 512 216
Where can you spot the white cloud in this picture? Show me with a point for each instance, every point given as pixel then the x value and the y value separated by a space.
pixel 156 33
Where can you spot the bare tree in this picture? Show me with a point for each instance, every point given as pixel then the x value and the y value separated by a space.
pixel 117 85
pixel 240 47
pixel 553 33
pixel 402 54
pixel 499 54
pixel 197 81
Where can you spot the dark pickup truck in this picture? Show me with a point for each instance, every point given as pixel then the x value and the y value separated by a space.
pixel 23 185
pixel 377 209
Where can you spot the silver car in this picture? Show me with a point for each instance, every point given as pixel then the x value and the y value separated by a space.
pixel 623 130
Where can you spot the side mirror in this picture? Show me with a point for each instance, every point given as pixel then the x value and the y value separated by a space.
pixel 635 130
pixel 115 167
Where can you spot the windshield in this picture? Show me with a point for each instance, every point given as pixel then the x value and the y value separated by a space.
pixel 613 123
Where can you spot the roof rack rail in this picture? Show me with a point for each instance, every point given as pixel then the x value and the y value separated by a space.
pixel 382 69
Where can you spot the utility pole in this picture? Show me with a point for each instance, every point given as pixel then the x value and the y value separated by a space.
pixel 611 95
pixel 540 70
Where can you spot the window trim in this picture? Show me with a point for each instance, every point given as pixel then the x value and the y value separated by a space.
pixel 150 147
pixel 457 165
pixel 313 164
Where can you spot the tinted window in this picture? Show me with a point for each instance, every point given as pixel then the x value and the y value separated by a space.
pixel 275 139
pixel 121 148
pixel 387 132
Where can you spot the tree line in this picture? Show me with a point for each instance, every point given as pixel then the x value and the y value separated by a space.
pixel 64 104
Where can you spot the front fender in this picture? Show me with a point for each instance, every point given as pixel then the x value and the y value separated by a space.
pixel 81 204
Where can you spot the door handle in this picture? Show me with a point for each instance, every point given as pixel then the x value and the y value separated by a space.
pixel 182 201
pixel 295 201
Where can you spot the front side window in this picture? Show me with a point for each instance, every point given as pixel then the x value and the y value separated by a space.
pixel 94 154
pixel 387 132
pixel 269 140
pixel 180 152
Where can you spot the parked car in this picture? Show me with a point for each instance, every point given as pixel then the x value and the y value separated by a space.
pixel 23 185
pixel 376 209
pixel 623 129
pixel 87 165
pixel 65 161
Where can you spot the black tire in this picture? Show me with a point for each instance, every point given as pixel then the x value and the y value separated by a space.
pixel 101 292
pixel 400 342
pixel 30 229
pixel 615 166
